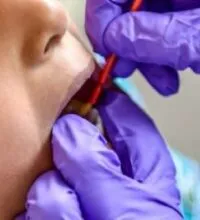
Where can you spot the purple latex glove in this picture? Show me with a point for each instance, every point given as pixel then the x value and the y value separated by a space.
pixel 161 43
pixel 50 198
pixel 136 182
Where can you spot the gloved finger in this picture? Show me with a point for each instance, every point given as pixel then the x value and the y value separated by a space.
pixel 99 14
pixel 165 80
pixel 81 155
pixel 139 145
pixel 124 68
pixel 79 150
pixel 169 39
pixel 50 198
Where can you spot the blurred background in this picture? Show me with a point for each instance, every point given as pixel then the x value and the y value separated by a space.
pixel 178 117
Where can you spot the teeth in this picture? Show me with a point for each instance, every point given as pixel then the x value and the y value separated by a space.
pixel 95 119
pixel 93 116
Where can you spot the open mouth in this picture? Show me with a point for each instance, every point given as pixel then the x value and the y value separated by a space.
pixel 84 94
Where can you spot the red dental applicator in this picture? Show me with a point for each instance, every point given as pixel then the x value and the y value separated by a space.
pixel 104 74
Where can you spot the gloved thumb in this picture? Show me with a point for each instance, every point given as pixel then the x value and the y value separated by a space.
pixel 165 39
pixel 79 149
pixel 81 155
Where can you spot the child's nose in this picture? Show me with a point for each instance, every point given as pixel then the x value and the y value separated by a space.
pixel 56 25
pixel 46 28
pixel 56 18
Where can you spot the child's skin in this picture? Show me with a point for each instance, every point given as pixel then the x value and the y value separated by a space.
pixel 36 83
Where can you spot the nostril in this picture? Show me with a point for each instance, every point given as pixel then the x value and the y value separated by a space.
pixel 53 41
pixel 56 25
pixel 44 31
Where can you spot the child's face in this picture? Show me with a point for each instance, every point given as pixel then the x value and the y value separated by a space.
pixel 42 64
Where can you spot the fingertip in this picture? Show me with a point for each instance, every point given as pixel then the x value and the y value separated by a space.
pixel 165 80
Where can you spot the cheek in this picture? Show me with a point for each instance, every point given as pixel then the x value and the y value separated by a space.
pixel 24 155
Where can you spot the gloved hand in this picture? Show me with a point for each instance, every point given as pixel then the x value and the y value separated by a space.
pixel 136 182
pixel 158 44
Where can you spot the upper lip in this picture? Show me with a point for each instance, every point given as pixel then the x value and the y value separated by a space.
pixel 80 87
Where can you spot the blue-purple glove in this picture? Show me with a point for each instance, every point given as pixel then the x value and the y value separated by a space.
pixel 136 182
pixel 158 44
